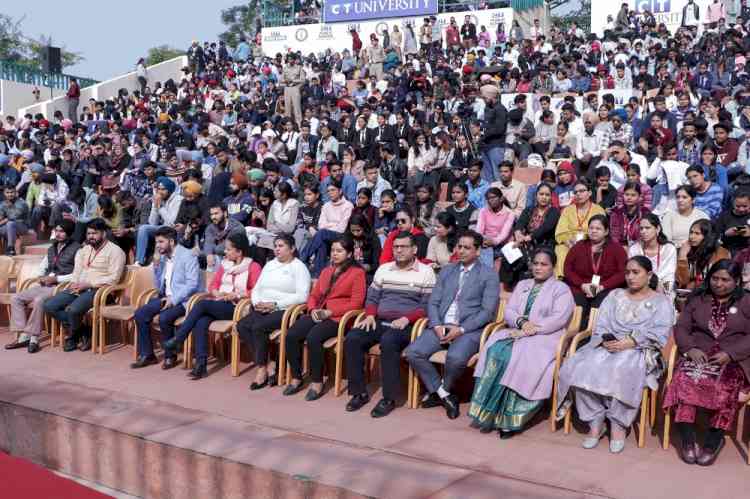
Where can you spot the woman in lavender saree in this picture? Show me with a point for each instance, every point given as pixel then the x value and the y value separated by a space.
pixel 516 364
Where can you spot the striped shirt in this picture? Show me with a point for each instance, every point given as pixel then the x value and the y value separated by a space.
pixel 710 201
pixel 396 293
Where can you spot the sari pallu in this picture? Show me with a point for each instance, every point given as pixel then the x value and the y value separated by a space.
pixel 493 405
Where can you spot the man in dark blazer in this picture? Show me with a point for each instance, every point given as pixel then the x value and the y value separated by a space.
pixel 462 303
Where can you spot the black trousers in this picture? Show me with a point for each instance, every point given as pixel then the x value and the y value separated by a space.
pixel 588 303
pixel 255 328
pixel 392 343
pixel 316 333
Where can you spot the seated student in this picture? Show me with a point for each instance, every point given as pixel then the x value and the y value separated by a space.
pixel 712 337
pixel 98 263
pixel 374 182
pixel 549 177
pixel 216 233
pixel 595 266
pixel 334 217
pixel 466 214
pixel 697 256
pixel 733 225
pixel 676 223
pixel 282 218
pixel 308 216
pixel 363 206
pixel 235 279
pixel 177 278
pixel 440 250
pixel 425 209
pixel 633 173
pixel 239 203
pixel 515 367
pixel 396 298
pixel 709 197
pixel 56 268
pixel 653 244
pixel 284 283
pixel 609 373
pixel 574 221
pixel 495 223
pixel 13 215
pixel 340 288
pixel 625 220
pixel 164 208
pixel 366 245
pixel 605 194
pixel 464 300
pixel 405 223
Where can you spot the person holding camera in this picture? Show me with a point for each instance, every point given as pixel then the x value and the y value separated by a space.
pixel 733 224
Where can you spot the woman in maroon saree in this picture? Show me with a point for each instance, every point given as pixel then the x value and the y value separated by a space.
pixel 714 342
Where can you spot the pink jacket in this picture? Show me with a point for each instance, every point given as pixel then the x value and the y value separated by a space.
pixel 335 217
pixel 716 11
pixel 495 226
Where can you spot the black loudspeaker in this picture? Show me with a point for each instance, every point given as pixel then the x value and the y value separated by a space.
pixel 52 59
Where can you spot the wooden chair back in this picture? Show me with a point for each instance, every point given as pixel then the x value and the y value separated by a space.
pixel 141 279
pixel 6 270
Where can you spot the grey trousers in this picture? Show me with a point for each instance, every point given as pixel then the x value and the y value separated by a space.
pixel 594 408
pixel 459 352
pixel 31 325
pixel 73 110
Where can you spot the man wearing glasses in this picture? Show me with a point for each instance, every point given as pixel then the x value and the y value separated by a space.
pixel 463 302
pixel 396 298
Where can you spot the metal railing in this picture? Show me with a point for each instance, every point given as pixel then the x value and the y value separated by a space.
pixel 13 71
pixel 274 15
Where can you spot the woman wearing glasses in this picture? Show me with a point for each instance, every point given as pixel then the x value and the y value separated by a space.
pixel 405 222
pixel 574 221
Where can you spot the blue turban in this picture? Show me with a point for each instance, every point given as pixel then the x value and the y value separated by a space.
pixel 167 184
pixel 620 113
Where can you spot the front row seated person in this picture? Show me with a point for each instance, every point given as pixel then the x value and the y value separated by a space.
pixel 176 278
pixel 713 373
pixel 98 263
pixel 233 281
pixel 609 373
pixel 56 268
pixel 341 287
pixel 463 302
pixel 516 365
pixel 396 299
pixel 283 283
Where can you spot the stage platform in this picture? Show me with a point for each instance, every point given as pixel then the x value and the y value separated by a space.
pixel 157 434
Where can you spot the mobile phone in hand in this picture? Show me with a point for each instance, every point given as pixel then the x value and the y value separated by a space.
pixel 609 337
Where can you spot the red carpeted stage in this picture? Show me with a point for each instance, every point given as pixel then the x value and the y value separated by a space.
pixel 157 434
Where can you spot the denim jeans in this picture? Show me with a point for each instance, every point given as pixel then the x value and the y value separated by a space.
pixel 143 240
pixel 491 158
pixel 11 230
pixel 318 246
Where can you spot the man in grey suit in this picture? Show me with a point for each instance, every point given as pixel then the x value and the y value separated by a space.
pixel 463 301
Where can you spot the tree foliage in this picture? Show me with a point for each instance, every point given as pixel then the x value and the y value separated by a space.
pixel 162 53
pixel 246 19
pixel 563 14
pixel 16 47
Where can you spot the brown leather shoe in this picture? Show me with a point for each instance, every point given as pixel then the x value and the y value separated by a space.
pixel 708 456
pixel 689 452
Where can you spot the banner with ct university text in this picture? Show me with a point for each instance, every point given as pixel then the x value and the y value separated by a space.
pixel 317 38
pixel 335 11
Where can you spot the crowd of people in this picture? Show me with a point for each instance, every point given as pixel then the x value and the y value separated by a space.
pixel 385 178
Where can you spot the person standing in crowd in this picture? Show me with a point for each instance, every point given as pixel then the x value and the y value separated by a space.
pixel 293 78
pixel 99 263
pixel 56 268
pixel 73 97
pixel 396 298
pixel 464 300
pixel 493 138
pixel 177 279
pixel 375 56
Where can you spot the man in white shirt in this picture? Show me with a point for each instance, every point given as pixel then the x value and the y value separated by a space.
pixel 374 182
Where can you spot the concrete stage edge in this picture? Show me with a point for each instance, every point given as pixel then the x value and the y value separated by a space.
pixel 152 433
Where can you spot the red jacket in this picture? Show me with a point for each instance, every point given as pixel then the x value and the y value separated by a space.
pixel 579 267
pixel 348 292
pixel 387 254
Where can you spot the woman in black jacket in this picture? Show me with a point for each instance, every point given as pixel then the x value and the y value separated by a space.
pixel 534 228
pixel 366 244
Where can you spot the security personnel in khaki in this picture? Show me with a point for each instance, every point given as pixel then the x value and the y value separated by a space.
pixel 293 78
pixel 375 56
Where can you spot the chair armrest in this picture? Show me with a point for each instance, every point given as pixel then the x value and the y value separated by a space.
pixel 145 297
pixel 106 291
pixel 195 299
pixel 488 330
pixel 61 287
pixel 240 308
pixel 296 313
pixel 417 329
pixel 26 284
pixel 350 317
pixel 671 365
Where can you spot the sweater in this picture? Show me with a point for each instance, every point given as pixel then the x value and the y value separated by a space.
pixel 396 293
pixel 677 227
pixel 348 292
pixel 495 226
pixel 579 268
pixel 335 216
pixel 286 284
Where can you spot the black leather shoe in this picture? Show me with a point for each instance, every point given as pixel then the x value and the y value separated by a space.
pixel 17 344
pixel 33 347
pixel 505 435
pixel 292 389
pixel 313 395
pixel 198 372
pixel 451 406
pixel 169 363
pixel 357 402
pixel 269 381
pixel 85 345
pixel 708 456
pixel 171 345
pixel 70 345
pixel 384 408
pixel 144 361
pixel 432 400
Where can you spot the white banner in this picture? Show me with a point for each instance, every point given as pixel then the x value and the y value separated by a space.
pixel 317 38
pixel 668 12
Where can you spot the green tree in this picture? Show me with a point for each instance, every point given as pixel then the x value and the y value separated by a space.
pixel 17 47
pixel 162 53
pixel 246 19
